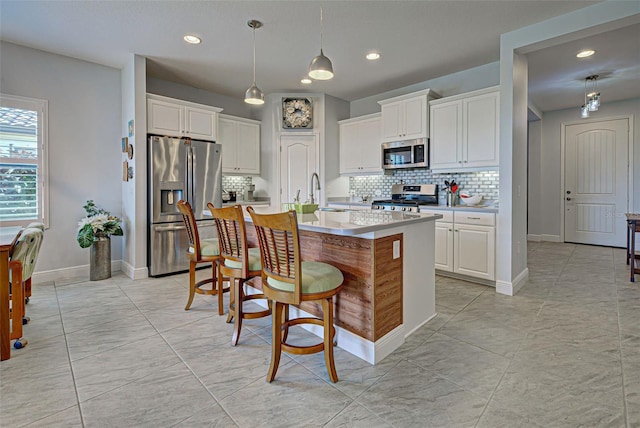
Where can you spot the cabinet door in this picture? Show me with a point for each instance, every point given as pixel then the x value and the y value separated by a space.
pixel 248 148
pixel 165 118
pixel 200 123
pixel 370 153
pixel 392 121
pixel 474 248
pixel 446 135
pixel 481 130
pixel 228 137
pixel 350 148
pixel 444 246
pixel 415 118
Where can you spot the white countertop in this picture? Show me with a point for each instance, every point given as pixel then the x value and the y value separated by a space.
pixel 355 222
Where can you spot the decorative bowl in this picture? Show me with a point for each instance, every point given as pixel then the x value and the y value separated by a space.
pixel 470 200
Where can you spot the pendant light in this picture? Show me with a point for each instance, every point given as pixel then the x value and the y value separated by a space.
pixel 584 110
pixel 594 96
pixel 321 67
pixel 254 95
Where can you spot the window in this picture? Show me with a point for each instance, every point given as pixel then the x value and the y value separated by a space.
pixel 23 161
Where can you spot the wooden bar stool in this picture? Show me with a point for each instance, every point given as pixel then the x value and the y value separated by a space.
pixel 238 262
pixel 633 227
pixel 201 251
pixel 287 280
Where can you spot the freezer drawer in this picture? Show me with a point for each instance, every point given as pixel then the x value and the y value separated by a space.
pixel 168 245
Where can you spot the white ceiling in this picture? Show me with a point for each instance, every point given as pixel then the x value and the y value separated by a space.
pixel 418 40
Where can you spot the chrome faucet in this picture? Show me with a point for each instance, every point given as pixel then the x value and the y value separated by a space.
pixel 311 199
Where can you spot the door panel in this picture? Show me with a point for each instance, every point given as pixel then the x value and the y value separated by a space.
pixel 298 160
pixel 596 184
pixel 207 178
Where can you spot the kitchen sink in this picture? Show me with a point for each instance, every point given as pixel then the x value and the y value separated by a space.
pixel 335 210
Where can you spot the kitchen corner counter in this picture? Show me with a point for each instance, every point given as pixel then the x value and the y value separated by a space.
pixel 388 263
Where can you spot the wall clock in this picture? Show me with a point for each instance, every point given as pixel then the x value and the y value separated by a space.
pixel 297 113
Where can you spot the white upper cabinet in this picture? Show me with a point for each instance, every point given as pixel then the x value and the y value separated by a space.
pixel 360 150
pixel 465 131
pixel 176 118
pixel 406 117
pixel 240 139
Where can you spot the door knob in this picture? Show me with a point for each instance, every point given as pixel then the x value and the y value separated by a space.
pixel 568 199
pixel 568 192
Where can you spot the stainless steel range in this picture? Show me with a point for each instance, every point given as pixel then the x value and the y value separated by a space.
pixel 408 197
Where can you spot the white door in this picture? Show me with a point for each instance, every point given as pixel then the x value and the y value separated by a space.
pixel 444 246
pixel 298 160
pixel 596 186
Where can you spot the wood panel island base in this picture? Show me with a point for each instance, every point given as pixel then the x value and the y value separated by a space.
pixel 387 260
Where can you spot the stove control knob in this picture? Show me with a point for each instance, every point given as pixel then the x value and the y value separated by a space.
pixel 393 208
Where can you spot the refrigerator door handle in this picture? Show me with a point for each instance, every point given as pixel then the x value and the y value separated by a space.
pixel 168 228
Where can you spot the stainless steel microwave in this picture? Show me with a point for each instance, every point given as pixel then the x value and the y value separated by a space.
pixel 406 154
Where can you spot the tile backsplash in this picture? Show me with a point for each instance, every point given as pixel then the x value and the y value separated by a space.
pixel 379 186
pixel 236 183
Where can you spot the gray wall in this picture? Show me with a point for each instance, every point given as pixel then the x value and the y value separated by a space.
pixel 451 84
pixel 235 106
pixel 84 142
pixel 547 193
pixel 335 110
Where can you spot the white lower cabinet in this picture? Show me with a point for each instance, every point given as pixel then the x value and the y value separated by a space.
pixel 444 246
pixel 466 243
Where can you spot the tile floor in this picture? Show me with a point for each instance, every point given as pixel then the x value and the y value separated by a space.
pixel 564 352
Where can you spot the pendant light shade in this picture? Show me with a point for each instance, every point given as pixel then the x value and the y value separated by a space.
pixel 591 99
pixel 321 67
pixel 254 95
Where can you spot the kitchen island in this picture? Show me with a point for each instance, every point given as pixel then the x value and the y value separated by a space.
pixel 387 259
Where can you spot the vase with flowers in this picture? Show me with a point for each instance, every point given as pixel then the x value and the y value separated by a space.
pixel 95 231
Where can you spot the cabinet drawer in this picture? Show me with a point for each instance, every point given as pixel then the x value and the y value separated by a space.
pixel 447 216
pixel 466 217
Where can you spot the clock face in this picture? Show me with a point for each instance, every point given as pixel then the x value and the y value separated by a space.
pixel 297 113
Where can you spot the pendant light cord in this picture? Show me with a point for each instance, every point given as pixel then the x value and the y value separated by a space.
pixel 321 25
pixel 254 55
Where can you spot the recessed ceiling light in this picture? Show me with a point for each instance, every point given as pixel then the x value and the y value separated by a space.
pixel 306 81
pixel 194 40
pixel 585 53
pixel 372 56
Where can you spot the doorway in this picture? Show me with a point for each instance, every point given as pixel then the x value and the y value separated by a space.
pixel 596 182
pixel 299 158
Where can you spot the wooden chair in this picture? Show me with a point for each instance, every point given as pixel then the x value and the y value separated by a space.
pixel 287 280
pixel 238 262
pixel 201 251
pixel 22 261
pixel 27 282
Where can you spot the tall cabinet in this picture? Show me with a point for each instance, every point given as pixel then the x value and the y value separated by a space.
pixel 465 131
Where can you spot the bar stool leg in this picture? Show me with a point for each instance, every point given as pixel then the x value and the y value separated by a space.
pixel 327 309
pixel 632 250
pixel 276 343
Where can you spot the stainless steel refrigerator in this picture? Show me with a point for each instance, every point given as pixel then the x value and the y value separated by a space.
pixel 180 168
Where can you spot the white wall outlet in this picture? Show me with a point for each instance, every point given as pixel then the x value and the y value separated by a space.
pixel 396 249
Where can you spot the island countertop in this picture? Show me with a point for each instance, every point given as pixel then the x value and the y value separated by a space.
pixel 354 222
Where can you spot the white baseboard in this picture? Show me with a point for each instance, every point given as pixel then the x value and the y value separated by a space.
pixel 544 238
pixel 511 288
pixel 352 343
pixel 69 273
pixel 133 273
